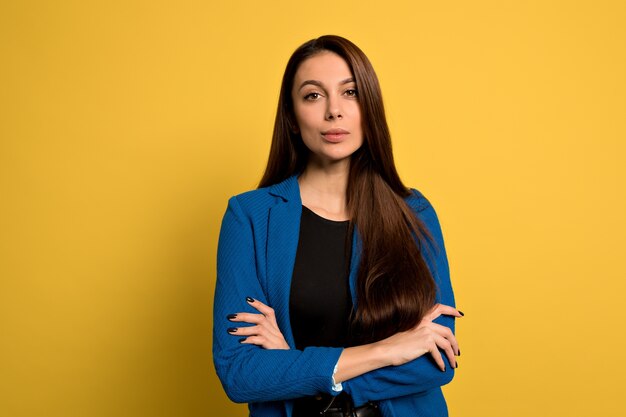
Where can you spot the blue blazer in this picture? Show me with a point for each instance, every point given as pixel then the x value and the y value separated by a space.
pixel 256 254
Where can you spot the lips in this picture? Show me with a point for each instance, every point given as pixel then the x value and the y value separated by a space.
pixel 335 135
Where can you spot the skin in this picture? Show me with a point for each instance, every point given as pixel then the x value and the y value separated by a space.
pixel 325 97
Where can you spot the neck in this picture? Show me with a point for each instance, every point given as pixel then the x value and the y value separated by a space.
pixel 323 188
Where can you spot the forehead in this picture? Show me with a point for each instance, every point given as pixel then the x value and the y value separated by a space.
pixel 325 66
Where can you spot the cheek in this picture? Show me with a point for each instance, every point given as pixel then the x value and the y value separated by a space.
pixel 355 111
pixel 305 118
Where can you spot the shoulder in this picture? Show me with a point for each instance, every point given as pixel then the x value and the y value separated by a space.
pixel 261 200
pixel 258 198
pixel 417 201
pixel 424 211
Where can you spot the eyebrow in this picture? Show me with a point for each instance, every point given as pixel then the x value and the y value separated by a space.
pixel 319 84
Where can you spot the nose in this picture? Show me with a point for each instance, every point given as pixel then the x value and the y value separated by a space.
pixel 333 108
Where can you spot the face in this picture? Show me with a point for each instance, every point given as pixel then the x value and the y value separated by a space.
pixel 326 108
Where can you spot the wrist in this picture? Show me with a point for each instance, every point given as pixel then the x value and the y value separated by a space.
pixel 358 360
pixel 383 351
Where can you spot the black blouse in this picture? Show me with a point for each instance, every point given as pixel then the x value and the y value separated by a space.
pixel 320 301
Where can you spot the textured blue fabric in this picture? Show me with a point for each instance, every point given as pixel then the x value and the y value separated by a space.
pixel 256 255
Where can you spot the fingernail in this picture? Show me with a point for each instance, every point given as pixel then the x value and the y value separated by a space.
pixel 242 340
pixel 460 312
pixel 459 352
pixel 250 299
pixel 231 330
pixel 231 316
pixel 457 364
pixel 444 369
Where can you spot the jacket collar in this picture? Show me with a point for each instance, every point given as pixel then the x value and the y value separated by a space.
pixel 288 189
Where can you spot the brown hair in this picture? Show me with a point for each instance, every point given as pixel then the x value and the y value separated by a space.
pixel 395 288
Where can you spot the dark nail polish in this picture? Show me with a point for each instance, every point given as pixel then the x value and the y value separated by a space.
pixel 242 340
pixel 457 365
pixel 231 316
pixel 460 312
pixel 232 330
pixel 459 352
pixel 250 299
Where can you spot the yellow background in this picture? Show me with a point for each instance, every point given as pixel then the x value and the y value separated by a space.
pixel 126 125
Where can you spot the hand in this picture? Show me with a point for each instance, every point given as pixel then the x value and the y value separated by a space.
pixel 265 333
pixel 426 337
pixel 443 335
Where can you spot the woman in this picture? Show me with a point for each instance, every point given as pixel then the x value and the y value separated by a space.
pixel 333 293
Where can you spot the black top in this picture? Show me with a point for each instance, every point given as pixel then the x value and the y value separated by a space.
pixel 320 301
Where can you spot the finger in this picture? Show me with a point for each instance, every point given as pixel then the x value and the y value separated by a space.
pixel 262 325
pixel 258 330
pixel 247 318
pixel 437 357
pixel 443 344
pixel 252 340
pixel 266 310
pixel 244 331
pixel 264 342
pixel 263 308
pixel 445 332
pixel 440 309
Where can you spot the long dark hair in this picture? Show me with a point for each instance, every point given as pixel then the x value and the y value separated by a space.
pixel 395 288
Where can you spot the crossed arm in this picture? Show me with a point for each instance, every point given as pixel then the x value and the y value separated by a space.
pixel 395 366
pixel 258 365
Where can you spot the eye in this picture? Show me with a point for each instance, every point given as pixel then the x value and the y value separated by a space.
pixel 351 92
pixel 312 96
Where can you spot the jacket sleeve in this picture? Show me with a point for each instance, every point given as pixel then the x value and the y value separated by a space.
pixel 250 373
pixel 422 373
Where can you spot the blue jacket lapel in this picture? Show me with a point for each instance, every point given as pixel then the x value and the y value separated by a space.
pixel 282 244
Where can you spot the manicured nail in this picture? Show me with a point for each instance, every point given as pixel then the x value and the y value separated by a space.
pixel 242 340
pixel 231 316
pixel 250 299
pixel 459 352
pixel 444 369
pixel 231 330
pixel 460 312
pixel 457 364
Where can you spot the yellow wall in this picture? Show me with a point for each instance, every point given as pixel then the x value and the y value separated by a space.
pixel 126 125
